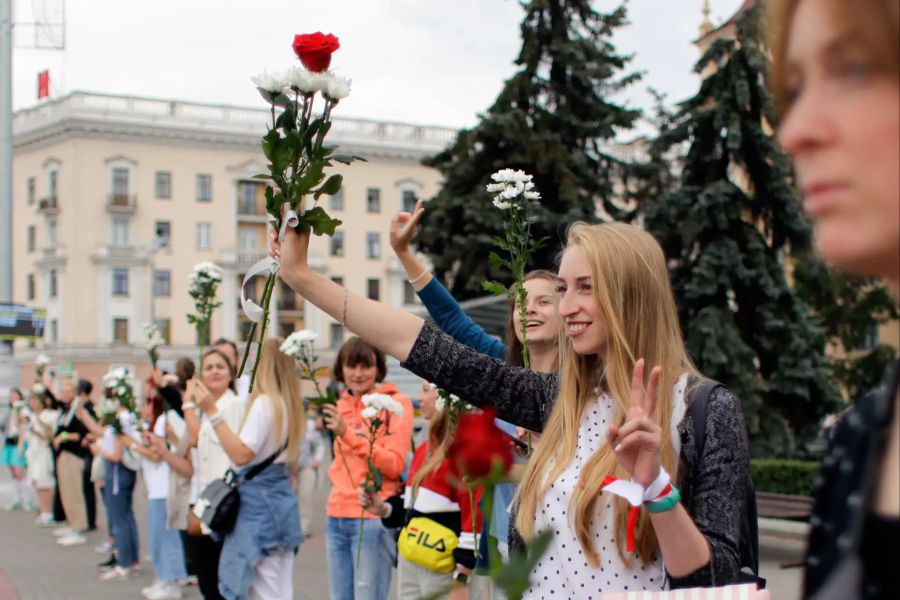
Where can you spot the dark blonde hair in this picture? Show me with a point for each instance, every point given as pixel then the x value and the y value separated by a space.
pixel 873 24
pixel 513 345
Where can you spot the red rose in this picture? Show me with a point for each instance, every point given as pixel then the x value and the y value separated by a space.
pixel 479 447
pixel 314 50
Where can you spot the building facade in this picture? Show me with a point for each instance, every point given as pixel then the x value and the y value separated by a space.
pixel 116 198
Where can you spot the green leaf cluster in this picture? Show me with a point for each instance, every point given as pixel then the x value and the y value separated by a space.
pixel 553 119
pixel 779 476
pixel 731 229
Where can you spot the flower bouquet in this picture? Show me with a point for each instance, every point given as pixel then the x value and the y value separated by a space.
pixel 40 365
pixel 377 411
pixel 153 339
pixel 294 145
pixel 299 346
pixel 119 391
pixel 205 280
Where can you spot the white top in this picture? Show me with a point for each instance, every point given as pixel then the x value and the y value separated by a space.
pixel 156 474
pixel 259 429
pixel 212 461
pixel 108 441
pixel 37 435
pixel 563 571
pixel 242 385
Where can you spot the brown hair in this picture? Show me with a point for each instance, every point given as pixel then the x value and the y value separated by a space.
pixel 513 345
pixel 357 351
pixel 224 357
pixel 871 23
pixel 184 370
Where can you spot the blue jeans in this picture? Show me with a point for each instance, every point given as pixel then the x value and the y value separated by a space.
pixel 166 549
pixel 372 581
pixel 119 489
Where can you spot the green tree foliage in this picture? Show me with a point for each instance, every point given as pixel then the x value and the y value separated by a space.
pixel 553 119
pixel 728 232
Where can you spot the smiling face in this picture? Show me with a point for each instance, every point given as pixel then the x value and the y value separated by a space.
pixel 842 128
pixel 578 306
pixel 67 392
pixel 541 312
pixel 216 374
pixel 427 399
pixel 360 378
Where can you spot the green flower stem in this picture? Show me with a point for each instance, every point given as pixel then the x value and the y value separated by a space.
pixel 201 335
pixel 247 349
pixel 344 460
pixel 494 561
pixel 474 520
pixel 372 434
pixel 267 296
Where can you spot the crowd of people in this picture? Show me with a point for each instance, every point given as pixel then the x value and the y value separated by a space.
pixel 606 397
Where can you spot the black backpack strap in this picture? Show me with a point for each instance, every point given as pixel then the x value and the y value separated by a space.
pixel 698 409
pixel 259 468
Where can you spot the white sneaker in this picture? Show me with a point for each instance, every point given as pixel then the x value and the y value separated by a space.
pixel 45 520
pixel 166 591
pixel 62 531
pixel 117 573
pixel 104 548
pixel 73 539
pixel 150 588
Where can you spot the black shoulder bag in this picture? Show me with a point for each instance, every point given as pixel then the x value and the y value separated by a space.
pixel 220 502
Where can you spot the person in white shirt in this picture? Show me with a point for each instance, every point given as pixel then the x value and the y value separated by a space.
pixel 39 424
pixel 258 554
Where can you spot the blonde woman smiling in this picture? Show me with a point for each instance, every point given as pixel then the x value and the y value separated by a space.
pixel 604 417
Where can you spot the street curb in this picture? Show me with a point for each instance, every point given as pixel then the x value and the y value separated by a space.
pixel 783 528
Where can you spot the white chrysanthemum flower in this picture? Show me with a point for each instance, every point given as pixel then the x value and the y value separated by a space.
pixel 152 337
pixel 320 81
pixel 299 79
pixel 38 389
pixel 532 195
pixel 206 271
pixel 274 81
pixel 369 412
pixel 42 360
pixel 439 404
pixel 337 88
pixel 501 204
pixel 383 402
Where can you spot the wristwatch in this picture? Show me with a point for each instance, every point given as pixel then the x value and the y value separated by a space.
pixel 460 577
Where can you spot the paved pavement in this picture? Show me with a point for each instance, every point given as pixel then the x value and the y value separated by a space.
pixel 33 567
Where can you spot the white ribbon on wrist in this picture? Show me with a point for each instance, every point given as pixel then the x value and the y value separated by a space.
pixel 268 265
pixel 635 493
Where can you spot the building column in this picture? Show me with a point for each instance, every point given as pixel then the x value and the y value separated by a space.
pixel 228 315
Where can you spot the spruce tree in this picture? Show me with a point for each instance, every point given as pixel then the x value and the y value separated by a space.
pixel 731 232
pixel 554 120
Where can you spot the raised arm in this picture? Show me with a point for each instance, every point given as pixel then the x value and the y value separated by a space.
pixel 441 305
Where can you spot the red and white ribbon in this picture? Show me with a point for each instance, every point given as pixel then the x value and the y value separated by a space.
pixel 636 495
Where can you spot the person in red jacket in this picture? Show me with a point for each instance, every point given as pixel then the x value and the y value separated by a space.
pixel 437 542
pixel 361 367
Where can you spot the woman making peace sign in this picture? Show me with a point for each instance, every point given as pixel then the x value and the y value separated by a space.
pixel 600 419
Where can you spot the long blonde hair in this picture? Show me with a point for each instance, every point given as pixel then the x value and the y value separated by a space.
pixel 439 438
pixel 631 287
pixel 276 377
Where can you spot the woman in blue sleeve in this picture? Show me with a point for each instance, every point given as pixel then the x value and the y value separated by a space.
pixel 543 325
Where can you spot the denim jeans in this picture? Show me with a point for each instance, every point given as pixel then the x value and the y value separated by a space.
pixel 165 544
pixel 372 581
pixel 119 484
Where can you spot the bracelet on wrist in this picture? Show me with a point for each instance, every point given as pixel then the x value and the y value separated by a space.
pixel 188 406
pixel 667 501
pixel 416 280
pixel 215 418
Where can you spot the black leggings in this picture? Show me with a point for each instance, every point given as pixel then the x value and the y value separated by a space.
pixel 203 553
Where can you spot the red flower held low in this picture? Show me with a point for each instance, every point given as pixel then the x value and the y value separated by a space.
pixel 315 49
pixel 478 446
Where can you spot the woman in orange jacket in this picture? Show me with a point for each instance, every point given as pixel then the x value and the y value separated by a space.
pixel 361 367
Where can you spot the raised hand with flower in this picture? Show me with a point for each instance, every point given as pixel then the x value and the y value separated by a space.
pixel 205 280
pixel 294 146
pixel 153 340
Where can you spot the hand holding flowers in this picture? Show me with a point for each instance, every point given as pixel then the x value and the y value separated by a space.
pixel 205 280
pixel 153 340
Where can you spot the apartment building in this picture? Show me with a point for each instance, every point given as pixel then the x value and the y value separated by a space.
pixel 116 198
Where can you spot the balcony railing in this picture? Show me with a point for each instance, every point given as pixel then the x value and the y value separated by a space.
pixel 121 203
pixel 48 206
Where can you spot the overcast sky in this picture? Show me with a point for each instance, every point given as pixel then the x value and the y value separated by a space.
pixel 437 62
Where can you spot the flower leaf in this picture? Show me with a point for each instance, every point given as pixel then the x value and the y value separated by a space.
pixel 494 287
pixel 319 221
pixel 331 186
pixel 344 159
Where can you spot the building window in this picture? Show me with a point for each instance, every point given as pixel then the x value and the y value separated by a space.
pixel 163 231
pixel 32 237
pixel 409 294
pixel 29 284
pixel 162 282
pixel 336 202
pixel 287 299
pixel 409 201
pixel 164 326
pixel 249 238
pixel 120 184
pixel 163 184
pixel 337 243
pixel 52 183
pixel 373 200
pixel 338 280
pixel 51 233
pixel 120 330
pixel 120 282
pixel 120 231
pixel 245 328
pixel 337 336
pixel 52 283
pixel 204 187
pixel 32 187
pixel 373 244
pixel 204 236
pixel 287 328
pixel 373 289
pixel 246 198
pixel 54 330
